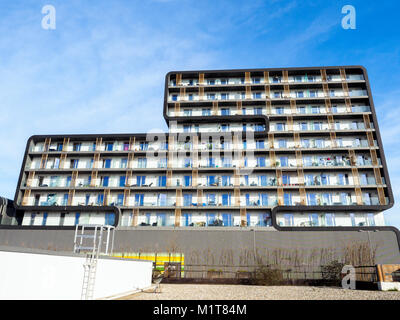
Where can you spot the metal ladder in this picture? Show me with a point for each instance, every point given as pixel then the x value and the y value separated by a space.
pixel 92 253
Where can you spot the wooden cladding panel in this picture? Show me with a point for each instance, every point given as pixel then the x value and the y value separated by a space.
pixel 63 159
pixel 178 214
pixel 290 123
pixel 65 144
pixel 367 121
pixel 99 142
pixel 267 90
pixel 299 158
pixel 272 158
pixel 43 161
pixel 93 178
pixel 47 143
pixel 106 197
pixel 177 108
pixel 243 217
pixel 323 75
pixel 248 92
pixel 378 176
pixel 370 138
pixel 135 218
pixel 293 107
pixel 268 105
pixel 343 74
pixel 215 108
pixel 374 157
pixel 358 195
pixel 381 195
pixel 178 79
pixel 266 76
pixel 132 141
pixel 296 139
pixel 127 193
pixel 25 198
pixel 285 76
pixel 236 196
pixel 30 178
pixel 201 93
pixel 128 178
pixel 169 178
pixel 328 105
pixel 280 196
pixel 71 194
pixel 195 177
pixel 74 178
pixel 201 78
pixel 271 140
pixel 326 89
pixel 239 107
pixel 286 91
pixel 345 89
pixel 247 77
pixel 300 177
pixel 303 196
pixel 348 104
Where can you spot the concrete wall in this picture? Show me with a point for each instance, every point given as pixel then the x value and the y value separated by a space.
pixel 193 242
pixel 50 276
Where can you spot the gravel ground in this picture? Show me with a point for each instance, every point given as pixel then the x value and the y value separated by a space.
pixel 242 292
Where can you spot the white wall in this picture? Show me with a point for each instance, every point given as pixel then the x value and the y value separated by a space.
pixel 26 276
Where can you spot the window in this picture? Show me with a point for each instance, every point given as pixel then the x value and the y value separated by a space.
pixel 256 80
pixel 174 97
pixel 187 181
pixel 280 127
pixel 263 199
pixel 260 144
pixel 105 181
pixel 210 96
pixel 287 199
pixel 142 162
pixel 109 146
pixel 77 216
pixel 224 96
pixel 282 143
pixel 187 200
pixel 288 219
pixel 226 199
pixel 226 181
pixel 77 147
pixel 107 163
pixel 225 111
pixel 139 199
pixel 257 111
pixel 227 219
pixel 257 95
pixel 162 181
pixel 124 163
pixel 187 128
pixel 224 127
pixel 122 181
pixel 143 146
pixel 330 219
pixel 300 94
pixel 110 218
pixel 206 112
pixel 140 180
pixel 187 219
pixel 120 199
pixel 284 162
pixel 279 110
pixel 187 112
pixel 314 221
pixel 260 161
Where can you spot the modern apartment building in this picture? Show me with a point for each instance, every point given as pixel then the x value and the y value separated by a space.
pixel 269 148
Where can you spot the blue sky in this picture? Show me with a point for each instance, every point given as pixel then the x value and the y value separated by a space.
pixel 102 70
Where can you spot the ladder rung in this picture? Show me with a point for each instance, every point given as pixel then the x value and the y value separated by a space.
pixel 85 235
